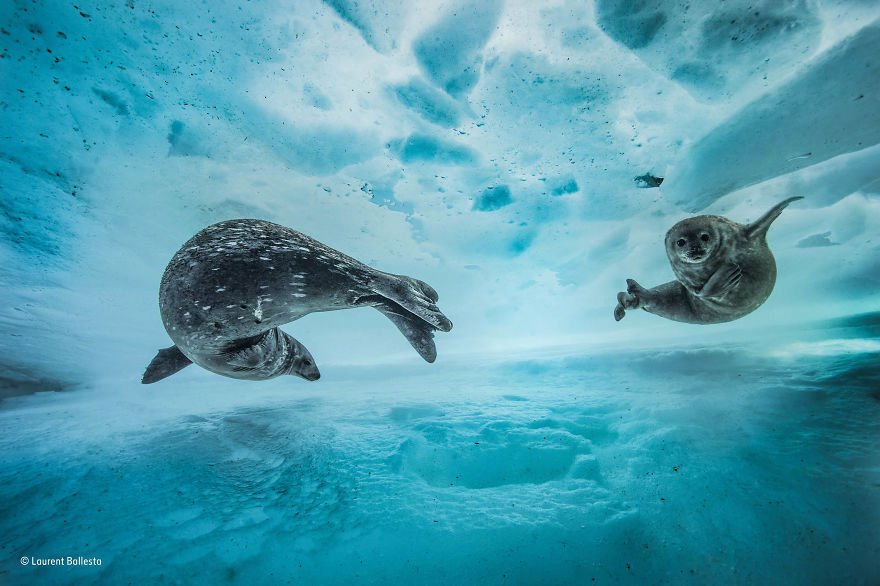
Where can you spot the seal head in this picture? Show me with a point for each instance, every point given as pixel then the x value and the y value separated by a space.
pixel 692 240
pixel 696 246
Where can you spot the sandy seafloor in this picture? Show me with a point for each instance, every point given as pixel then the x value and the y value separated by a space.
pixel 618 467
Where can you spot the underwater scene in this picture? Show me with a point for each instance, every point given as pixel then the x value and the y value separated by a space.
pixel 445 292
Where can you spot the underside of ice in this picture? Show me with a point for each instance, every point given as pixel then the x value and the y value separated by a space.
pixel 832 108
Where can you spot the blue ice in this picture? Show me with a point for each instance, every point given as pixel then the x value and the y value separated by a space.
pixel 493 198
pixel 424 147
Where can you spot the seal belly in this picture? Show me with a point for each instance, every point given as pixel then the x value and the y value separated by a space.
pixel 755 286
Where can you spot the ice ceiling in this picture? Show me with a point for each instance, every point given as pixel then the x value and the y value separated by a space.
pixel 490 149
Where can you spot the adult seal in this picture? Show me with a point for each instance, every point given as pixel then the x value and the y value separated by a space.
pixel 724 270
pixel 228 289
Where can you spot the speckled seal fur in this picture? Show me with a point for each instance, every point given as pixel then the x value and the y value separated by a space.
pixel 724 271
pixel 228 289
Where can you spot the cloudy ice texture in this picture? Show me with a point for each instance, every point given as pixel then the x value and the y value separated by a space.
pixel 490 149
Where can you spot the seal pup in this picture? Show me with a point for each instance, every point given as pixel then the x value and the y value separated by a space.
pixel 724 270
pixel 228 289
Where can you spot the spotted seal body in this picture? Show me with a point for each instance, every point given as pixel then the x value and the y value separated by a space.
pixel 724 270
pixel 228 289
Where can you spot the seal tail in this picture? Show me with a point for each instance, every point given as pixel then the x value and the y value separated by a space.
pixel 760 226
pixel 167 362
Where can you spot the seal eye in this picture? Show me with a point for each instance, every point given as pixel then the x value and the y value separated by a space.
pixel 681 242
pixel 704 237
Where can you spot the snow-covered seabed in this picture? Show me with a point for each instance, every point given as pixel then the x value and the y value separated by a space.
pixel 707 466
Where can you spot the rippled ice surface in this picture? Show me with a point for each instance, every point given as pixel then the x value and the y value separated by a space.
pixel 639 468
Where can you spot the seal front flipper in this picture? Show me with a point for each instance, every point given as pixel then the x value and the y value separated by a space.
pixel 723 280
pixel 417 331
pixel 167 362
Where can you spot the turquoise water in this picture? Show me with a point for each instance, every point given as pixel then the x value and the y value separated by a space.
pixel 522 158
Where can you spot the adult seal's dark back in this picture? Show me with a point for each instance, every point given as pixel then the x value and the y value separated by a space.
pixel 724 271
pixel 228 289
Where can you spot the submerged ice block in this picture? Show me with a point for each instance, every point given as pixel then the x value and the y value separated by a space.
pixel 832 108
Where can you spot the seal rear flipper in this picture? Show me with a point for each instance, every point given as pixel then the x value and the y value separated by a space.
pixel 625 300
pixel 633 288
pixel 428 290
pixel 418 332
pixel 167 362
pixel 414 296
pixel 762 224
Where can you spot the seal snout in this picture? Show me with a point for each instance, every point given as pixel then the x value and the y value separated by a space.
pixel 307 369
pixel 696 254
